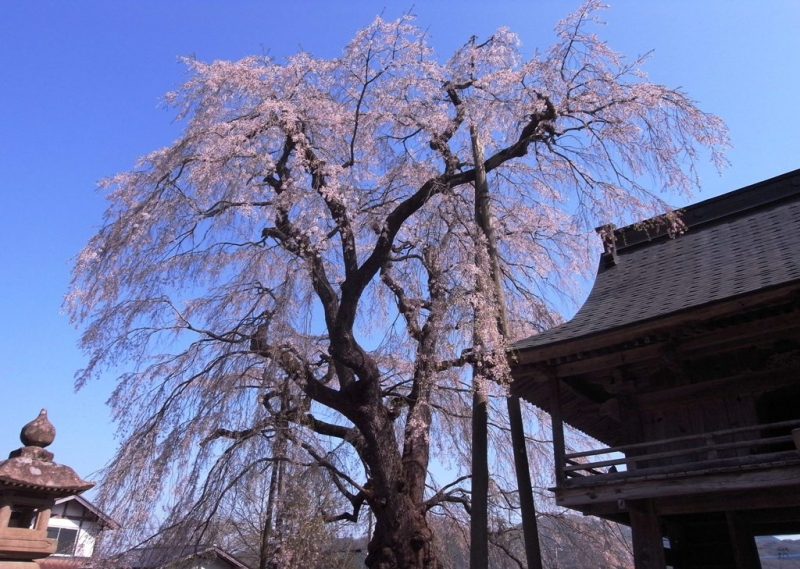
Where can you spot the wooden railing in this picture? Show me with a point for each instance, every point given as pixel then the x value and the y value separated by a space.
pixel 719 449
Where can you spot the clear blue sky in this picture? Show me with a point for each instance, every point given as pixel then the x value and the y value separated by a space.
pixel 80 85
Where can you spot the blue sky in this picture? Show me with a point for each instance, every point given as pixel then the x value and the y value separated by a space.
pixel 81 82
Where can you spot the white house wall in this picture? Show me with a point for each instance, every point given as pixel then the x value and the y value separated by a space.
pixel 70 509
pixel 86 534
pixel 72 515
pixel 217 564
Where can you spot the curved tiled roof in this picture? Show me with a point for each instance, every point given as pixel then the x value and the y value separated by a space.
pixel 176 556
pixel 737 243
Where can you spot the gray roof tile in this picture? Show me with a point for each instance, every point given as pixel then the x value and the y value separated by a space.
pixel 736 243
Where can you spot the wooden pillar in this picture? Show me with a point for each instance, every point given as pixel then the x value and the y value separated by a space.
pixel 742 541
pixel 479 515
pixel 648 544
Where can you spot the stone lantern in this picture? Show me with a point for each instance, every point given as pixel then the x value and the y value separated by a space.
pixel 30 482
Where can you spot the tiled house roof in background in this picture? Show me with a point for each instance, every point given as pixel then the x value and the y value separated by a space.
pixel 103 519
pixel 736 243
pixel 157 557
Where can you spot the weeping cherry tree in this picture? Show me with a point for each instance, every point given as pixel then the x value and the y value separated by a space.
pixel 299 268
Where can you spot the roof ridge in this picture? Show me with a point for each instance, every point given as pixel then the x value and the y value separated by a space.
pixel 750 198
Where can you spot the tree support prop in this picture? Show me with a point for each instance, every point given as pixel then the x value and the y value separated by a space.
pixel 530 528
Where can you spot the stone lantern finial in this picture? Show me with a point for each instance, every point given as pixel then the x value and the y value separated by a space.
pixel 38 433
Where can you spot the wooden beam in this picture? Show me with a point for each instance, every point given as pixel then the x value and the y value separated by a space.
pixel 643 353
pixel 761 330
pixel 751 382
pixel 701 484
pixel 530 527
pixel 689 462
pixel 765 508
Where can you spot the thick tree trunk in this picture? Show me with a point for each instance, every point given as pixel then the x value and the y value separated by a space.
pixel 402 538
pixel 395 490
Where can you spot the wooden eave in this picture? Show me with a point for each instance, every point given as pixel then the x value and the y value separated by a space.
pixel 538 362
pixel 740 321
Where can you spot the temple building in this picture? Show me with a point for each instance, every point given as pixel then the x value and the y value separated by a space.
pixel 684 366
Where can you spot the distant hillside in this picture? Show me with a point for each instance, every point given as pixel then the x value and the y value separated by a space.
pixel 778 554
pixel 577 542
pixel 567 541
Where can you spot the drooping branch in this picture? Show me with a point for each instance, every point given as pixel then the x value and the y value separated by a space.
pixel 450 493
pixel 220 433
pixel 440 141
pixel 409 308
pixel 325 463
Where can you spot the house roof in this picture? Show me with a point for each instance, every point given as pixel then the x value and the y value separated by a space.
pixel 154 557
pixel 64 563
pixel 734 244
pixel 104 519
